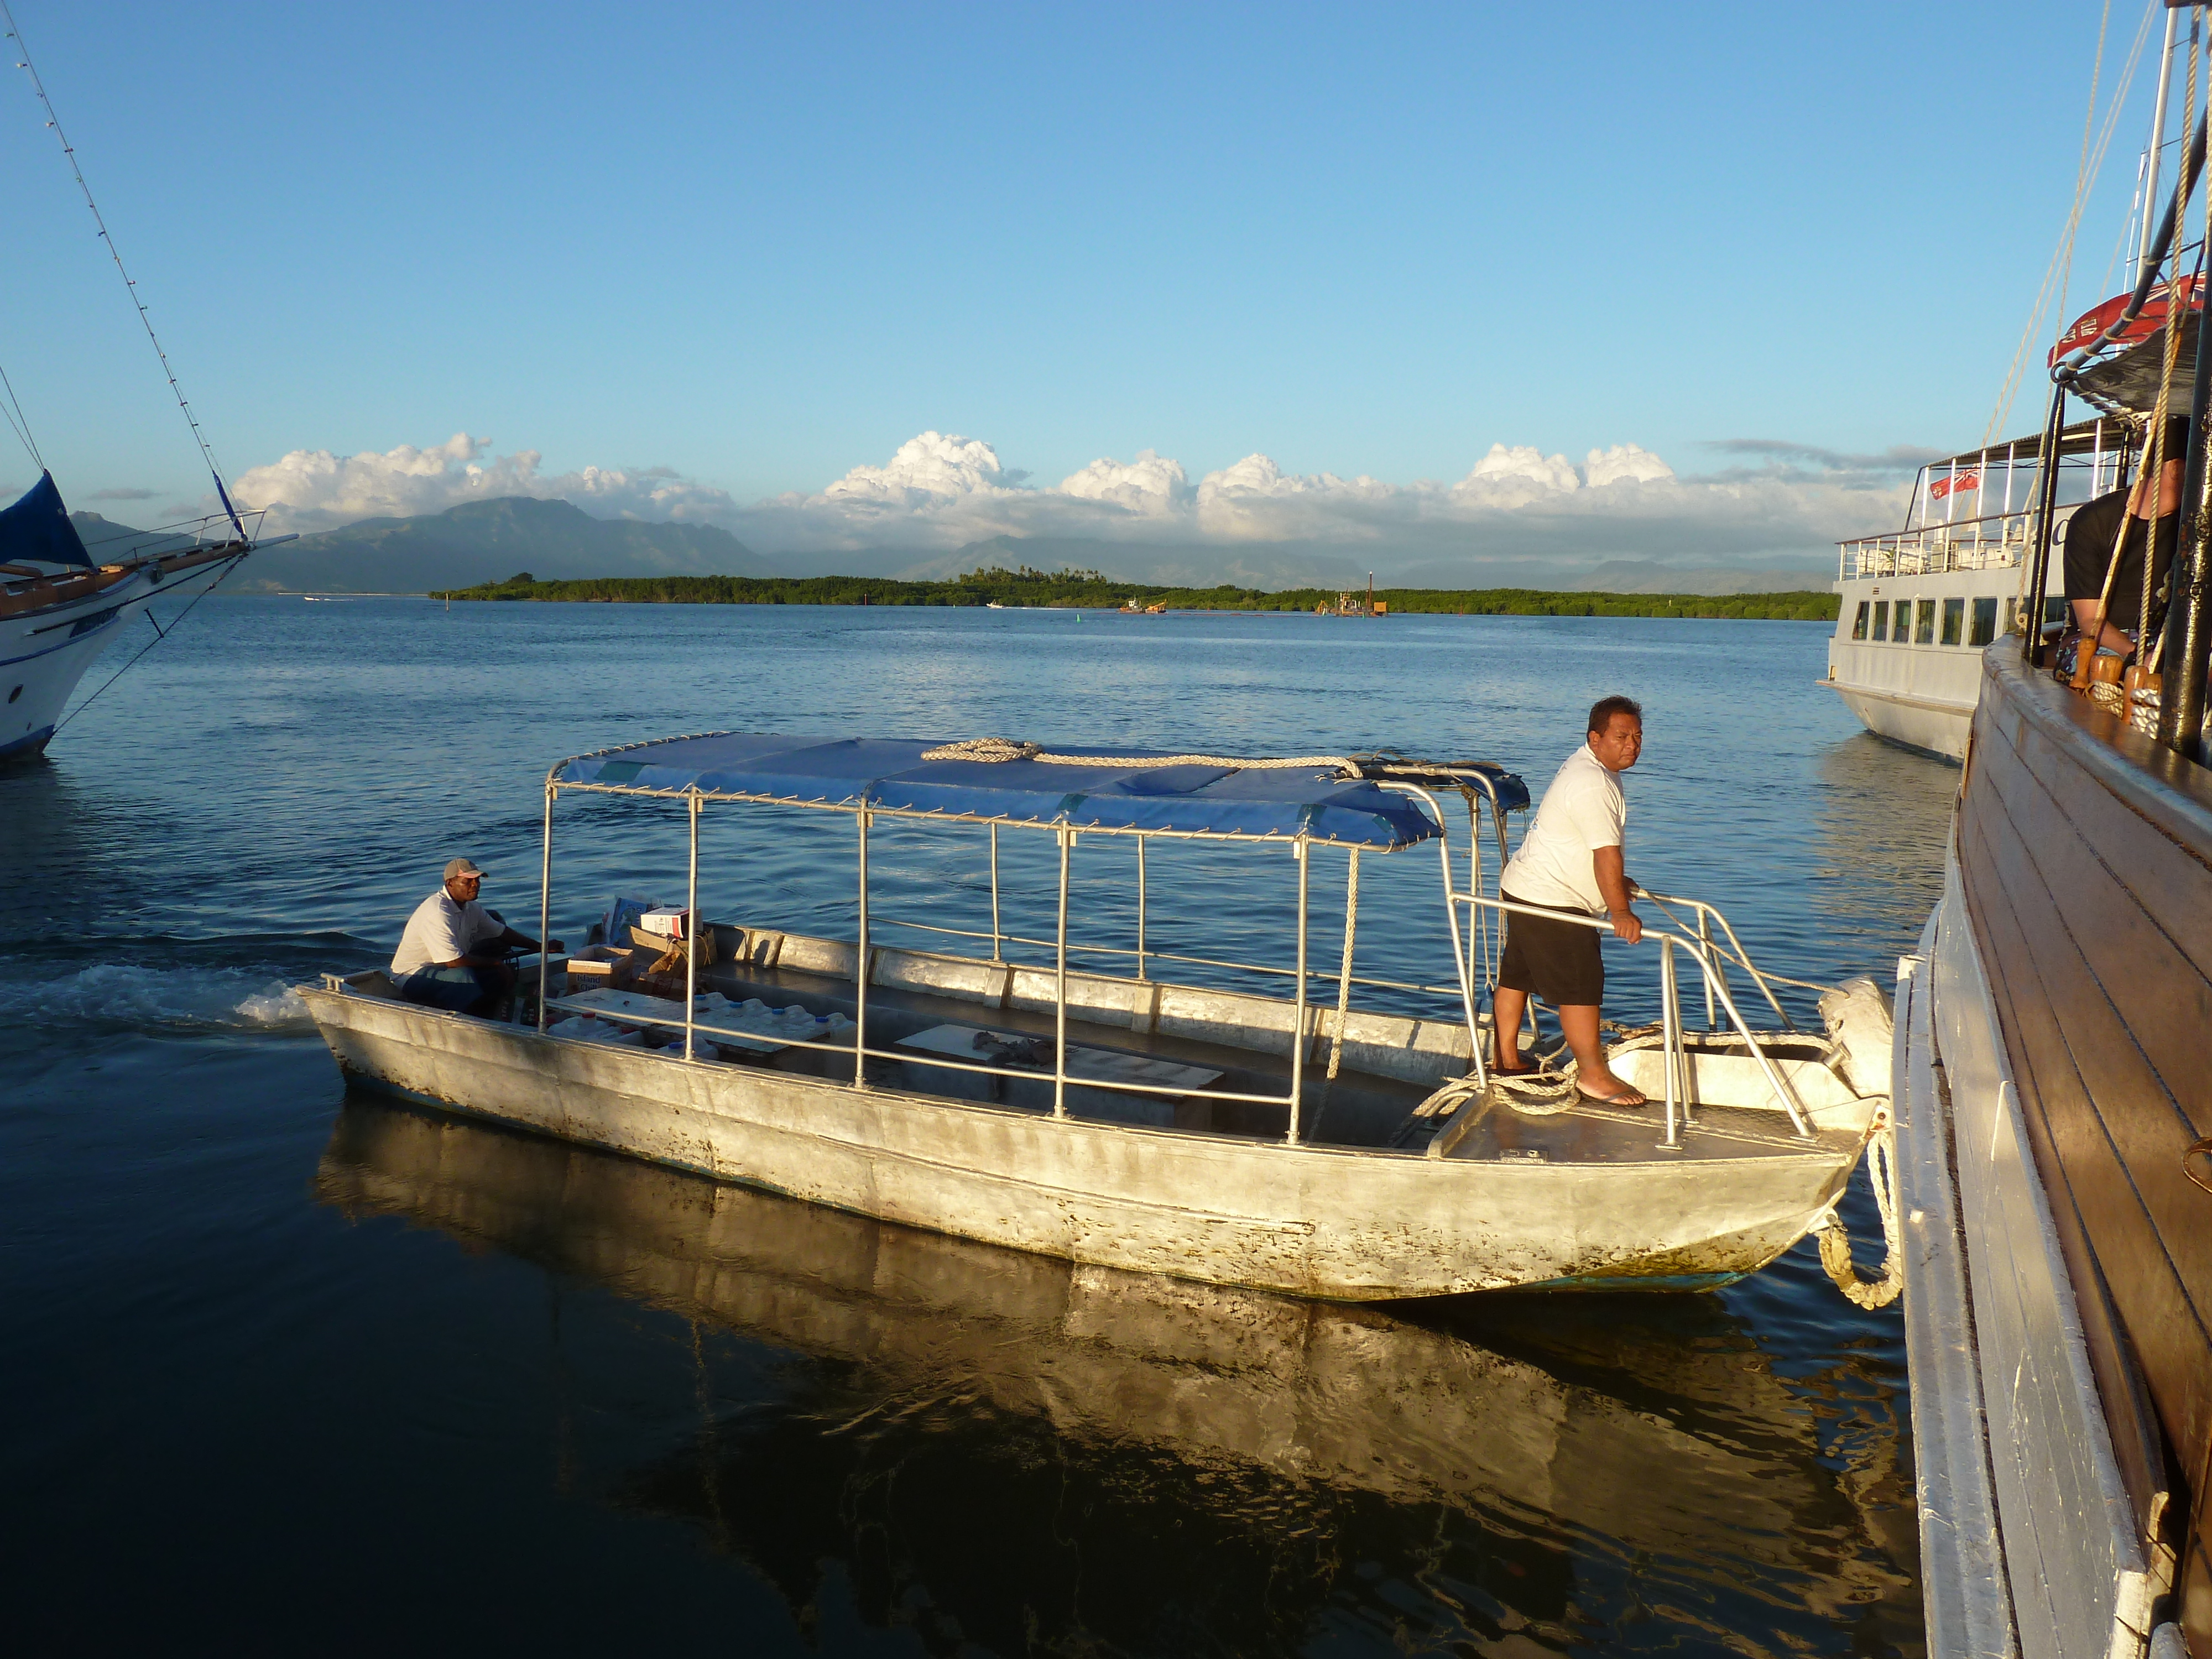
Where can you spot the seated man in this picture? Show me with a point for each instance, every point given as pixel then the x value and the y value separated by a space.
pixel 2131 516
pixel 453 953
pixel 1571 862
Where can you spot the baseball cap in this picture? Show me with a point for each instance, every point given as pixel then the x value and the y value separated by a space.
pixel 461 867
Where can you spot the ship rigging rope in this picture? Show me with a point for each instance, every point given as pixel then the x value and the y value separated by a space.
pixel 19 422
pixel 992 751
pixel 1836 1242
pixel 2058 276
pixel 2145 709
pixel 159 634
pixel 129 284
pixel 2147 483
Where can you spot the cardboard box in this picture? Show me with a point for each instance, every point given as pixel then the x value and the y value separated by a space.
pixel 595 967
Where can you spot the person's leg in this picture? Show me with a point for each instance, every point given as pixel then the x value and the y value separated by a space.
pixel 1507 1007
pixel 454 989
pixel 1592 1075
pixel 494 985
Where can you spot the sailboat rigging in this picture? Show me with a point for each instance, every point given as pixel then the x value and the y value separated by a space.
pixel 60 607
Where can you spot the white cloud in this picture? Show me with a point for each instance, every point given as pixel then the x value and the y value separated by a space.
pixel 311 489
pixel 1522 465
pixel 1257 501
pixel 1624 464
pixel 1516 507
pixel 929 470
pixel 1150 484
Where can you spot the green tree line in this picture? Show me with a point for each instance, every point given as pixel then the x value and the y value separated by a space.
pixel 1086 590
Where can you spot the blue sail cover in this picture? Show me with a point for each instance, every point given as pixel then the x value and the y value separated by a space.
pixel 1128 792
pixel 38 527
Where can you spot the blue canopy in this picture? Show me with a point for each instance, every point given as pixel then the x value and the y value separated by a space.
pixel 38 527
pixel 1128 790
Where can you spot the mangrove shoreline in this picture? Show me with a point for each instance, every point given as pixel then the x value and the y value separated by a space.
pixel 1086 590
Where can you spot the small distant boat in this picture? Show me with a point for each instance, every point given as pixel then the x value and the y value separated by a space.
pixel 1123 1120
pixel 993 604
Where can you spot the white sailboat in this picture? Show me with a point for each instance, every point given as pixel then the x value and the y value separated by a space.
pixel 61 602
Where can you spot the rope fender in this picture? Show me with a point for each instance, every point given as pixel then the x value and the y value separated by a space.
pixel 993 751
pixel 1836 1242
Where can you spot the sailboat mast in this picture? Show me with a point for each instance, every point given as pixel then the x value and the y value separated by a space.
pixel 129 285
pixel 2147 254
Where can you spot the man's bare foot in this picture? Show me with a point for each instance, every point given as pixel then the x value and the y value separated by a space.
pixel 1612 1091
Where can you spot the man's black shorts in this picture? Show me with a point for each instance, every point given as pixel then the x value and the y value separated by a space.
pixel 1558 961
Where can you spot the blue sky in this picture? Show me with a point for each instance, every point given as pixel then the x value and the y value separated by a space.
pixel 759 246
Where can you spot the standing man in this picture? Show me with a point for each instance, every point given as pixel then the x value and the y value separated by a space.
pixel 1570 862
pixel 453 955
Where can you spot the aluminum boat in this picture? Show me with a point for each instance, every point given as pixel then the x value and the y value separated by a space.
pixel 1115 1116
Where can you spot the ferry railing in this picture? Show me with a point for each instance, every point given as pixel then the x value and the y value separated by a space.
pixel 1998 541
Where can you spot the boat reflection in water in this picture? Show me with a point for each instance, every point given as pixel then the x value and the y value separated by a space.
pixel 1013 1452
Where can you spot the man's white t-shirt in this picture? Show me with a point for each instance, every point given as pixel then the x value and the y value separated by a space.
pixel 440 930
pixel 1583 810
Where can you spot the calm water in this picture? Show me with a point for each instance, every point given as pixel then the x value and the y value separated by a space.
pixel 290 1368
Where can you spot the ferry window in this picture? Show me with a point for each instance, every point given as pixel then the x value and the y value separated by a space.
pixel 1859 622
pixel 1923 623
pixel 1881 619
pixel 1954 621
pixel 1985 623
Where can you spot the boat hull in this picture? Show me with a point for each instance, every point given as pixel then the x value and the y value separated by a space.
pixel 1927 724
pixel 1343 1224
pixel 43 655
pixel 2052 1084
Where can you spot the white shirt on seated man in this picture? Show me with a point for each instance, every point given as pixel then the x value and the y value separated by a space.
pixel 453 953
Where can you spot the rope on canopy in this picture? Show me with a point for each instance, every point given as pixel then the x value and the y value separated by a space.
pixel 992 751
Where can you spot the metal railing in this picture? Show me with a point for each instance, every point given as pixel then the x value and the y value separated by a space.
pixel 1302 1032
pixel 1999 541
pixel 1711 957
pixel 1144 955
pixel 1706 955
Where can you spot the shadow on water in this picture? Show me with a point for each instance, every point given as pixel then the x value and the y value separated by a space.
pixel 993 1450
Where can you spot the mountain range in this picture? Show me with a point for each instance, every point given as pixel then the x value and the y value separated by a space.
pixel 490 541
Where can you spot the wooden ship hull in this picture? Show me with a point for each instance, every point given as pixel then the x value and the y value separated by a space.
pixel 2051 1088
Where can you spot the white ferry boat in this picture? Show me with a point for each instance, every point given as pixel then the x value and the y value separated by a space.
pixel 1920 604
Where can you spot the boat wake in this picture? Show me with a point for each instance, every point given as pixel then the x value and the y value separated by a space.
pixel 124 996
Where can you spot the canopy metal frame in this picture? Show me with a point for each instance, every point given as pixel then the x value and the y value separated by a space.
pixel 1466 964
pixel 1480 898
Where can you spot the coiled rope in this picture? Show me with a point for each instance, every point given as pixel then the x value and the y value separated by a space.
pixel 992 751
pixel 1836 1242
